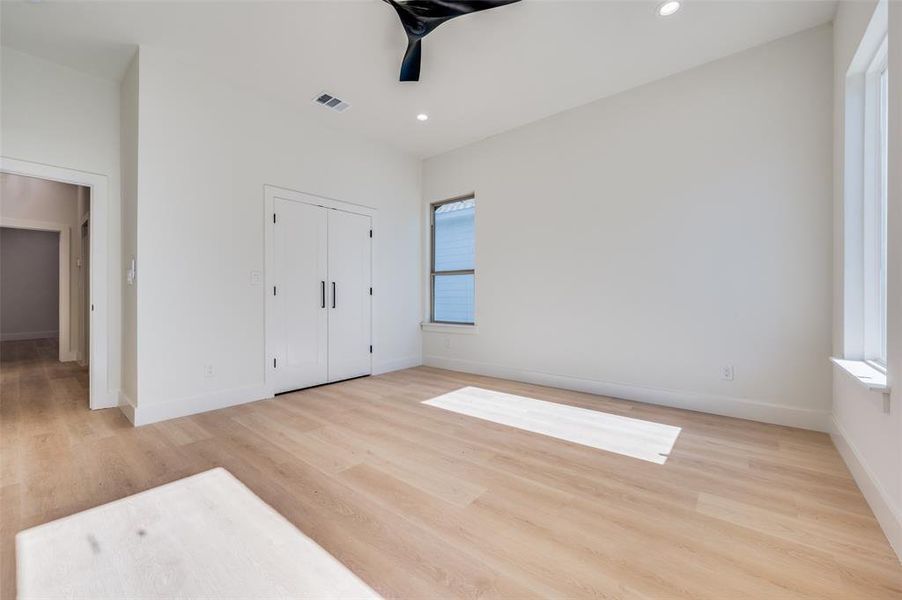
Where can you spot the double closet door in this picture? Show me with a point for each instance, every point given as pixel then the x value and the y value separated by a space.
pixel 319 322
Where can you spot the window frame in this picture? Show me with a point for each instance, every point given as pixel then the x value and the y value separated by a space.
pixel 875 204
pixel 432 272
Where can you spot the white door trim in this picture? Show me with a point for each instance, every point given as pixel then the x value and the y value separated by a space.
pixel 65 293
pixel 270 193
pixel 99 364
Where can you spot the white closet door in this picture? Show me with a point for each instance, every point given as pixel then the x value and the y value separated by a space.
pixel 349 295
pixel 299 326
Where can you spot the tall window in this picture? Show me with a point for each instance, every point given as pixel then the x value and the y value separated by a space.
pixel 875 209
pixel 453 262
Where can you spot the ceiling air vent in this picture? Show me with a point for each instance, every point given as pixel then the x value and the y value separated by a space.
pixel 331 102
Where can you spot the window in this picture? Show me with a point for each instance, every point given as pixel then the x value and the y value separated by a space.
pixel 453 271
pixel 875 207
pixel 864 212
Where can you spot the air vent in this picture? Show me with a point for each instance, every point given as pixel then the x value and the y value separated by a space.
pixel 331 102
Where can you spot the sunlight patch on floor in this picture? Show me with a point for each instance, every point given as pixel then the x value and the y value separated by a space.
pixel 636 438
pixel 205 536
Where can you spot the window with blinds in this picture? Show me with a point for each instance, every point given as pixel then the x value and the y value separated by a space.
pixel 453 269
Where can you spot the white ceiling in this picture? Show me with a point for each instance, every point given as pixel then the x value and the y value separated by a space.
pixel 482 74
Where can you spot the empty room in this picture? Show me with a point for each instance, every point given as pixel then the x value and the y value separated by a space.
pixel 451 299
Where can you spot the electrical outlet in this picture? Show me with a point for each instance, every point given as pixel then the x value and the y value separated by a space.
pixel 256 277
pixel 726 372
pixel 209 371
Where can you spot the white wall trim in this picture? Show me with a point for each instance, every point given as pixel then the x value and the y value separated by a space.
pixel 449 328
pixel 126 406
pixel 28 335
pixel 153 413
pixel 64 293
pixel 101 396
pixel 397 364
pixel 877 497
pixel 147 413
pixel 272 191
pixel 740 408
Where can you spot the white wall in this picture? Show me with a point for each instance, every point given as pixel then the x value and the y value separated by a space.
pixel 29 284
pixel 635 245
pixel 869 439
pixel 205 152
pixel 30 199
pixel 58 116
pixel 129 144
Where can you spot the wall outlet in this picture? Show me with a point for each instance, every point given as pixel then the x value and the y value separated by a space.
pixel 726 372
pixel 256 277
pixel 209 371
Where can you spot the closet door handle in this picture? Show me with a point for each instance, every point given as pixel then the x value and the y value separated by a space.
pixel 333 294
pixel 323 292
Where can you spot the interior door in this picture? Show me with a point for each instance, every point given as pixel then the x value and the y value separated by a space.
pixel 299 326
pixel 349 295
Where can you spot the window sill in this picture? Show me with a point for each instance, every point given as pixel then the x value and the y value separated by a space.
pixel 864 373
pixel 449 328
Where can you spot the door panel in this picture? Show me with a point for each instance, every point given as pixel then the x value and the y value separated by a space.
pixel 349 297
pixel 299 329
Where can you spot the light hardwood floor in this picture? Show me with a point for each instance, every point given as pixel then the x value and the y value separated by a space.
pixel 421 502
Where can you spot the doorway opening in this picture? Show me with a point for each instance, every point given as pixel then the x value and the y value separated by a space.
pixel 45 289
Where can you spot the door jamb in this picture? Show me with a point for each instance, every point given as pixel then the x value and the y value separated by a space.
pixel 101 328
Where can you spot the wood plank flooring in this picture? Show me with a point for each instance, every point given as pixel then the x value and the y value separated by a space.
pixel 422 502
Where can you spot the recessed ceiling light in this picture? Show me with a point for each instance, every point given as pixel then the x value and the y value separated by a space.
pixel 665 9
pixel 422 117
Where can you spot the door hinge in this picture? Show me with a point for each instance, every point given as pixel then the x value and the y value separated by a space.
pixel 273 290
pixel 274 217
pixel 371 348
pixel 371 291
pixel 371 233
pixel 274 363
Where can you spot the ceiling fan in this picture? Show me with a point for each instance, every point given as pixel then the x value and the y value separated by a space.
pixel 420 17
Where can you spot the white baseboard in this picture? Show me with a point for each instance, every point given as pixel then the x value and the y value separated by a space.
pixel 877 497
pixel 709 403
pixel 27 335
pixel 144 414
pixel 397 364
pixel 127 406
pixel 152 413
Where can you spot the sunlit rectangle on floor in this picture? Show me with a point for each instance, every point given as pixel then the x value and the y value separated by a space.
pixel 646 440
pixel 206 536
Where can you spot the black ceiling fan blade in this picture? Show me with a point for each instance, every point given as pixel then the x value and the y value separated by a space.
pixel 420 17
pixel 410 64
pixel 445 9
